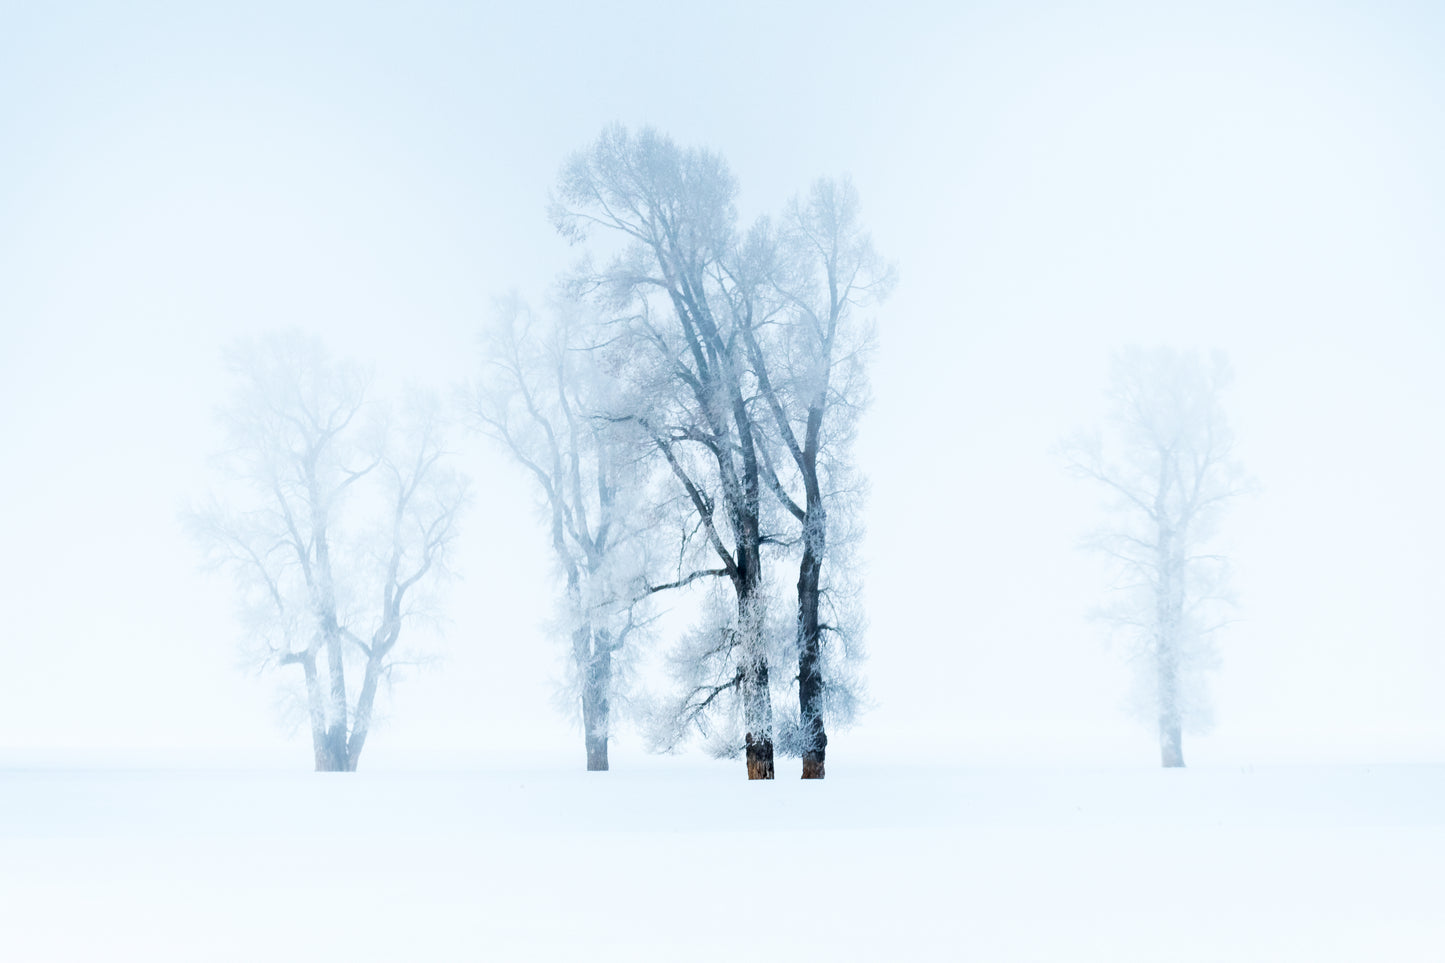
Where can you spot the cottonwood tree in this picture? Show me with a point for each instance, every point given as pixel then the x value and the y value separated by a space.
pixel 807 358
pixel 1167 462
pixel 682 299
pixel 546 400
pixel 336 524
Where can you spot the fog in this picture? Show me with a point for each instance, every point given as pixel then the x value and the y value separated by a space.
pixel 1053 184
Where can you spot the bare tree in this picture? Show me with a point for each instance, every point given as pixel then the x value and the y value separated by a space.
pixel 807 357
pixel 334 525
pixel 681 311
pixel 545 399
pixel 1168 466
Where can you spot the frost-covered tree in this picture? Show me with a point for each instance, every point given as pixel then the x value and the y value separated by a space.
pixel 545 398
pixel 744 354
pixel 680 302
pixel 335 522
pixel 807 358
pixel 1166 460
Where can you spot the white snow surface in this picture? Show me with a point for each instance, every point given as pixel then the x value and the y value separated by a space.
pixel 687 861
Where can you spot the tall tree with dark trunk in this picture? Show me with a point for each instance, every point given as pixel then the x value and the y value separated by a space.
pixel 679 311
pixel 807 357
pixel 1169 468
pixel 335 524
pixel 545 399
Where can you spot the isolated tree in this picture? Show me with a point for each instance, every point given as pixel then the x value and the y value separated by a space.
pixel 544 397
pixel 807 358
pixel 681 305
pixel 1167 463
pixel 335 522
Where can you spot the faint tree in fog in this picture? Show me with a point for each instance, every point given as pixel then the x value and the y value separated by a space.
pixel 335 524
pixel 682 301
pixel 544 397
pixel 807 358
pixel 1167 462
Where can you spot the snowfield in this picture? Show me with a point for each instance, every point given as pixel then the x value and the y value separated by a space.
pixel 687 861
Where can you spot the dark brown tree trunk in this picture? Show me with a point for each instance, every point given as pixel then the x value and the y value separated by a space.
pixel 758 717
pixel 757 697
pixel 810 669
pixel 759 757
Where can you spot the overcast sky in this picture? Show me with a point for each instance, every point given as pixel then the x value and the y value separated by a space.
pixel 1053 181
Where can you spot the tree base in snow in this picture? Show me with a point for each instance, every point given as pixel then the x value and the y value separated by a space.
pixel 813 766
pixel 596 754
pixel 1171 746
pixel 760 759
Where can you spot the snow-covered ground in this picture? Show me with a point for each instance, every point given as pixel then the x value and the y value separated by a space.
pixel 686 861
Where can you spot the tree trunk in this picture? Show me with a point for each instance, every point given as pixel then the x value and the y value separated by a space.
pixel 316 708
pixel 810 669
pixel 760 758
pixel 334 754
pixel 1169 615
pixel 757 698
pixel 324 601
pixel 328 746
pixel 1171 749
pixel 326 758
pixel 339 760
pixel 361 722
pixel 332 757
pixel 758 718
pixel 596 708
pixel 596 753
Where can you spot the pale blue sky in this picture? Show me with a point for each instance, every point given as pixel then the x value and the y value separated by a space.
pixel 1054 181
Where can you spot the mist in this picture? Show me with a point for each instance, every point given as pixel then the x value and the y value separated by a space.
pixel 1054 185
